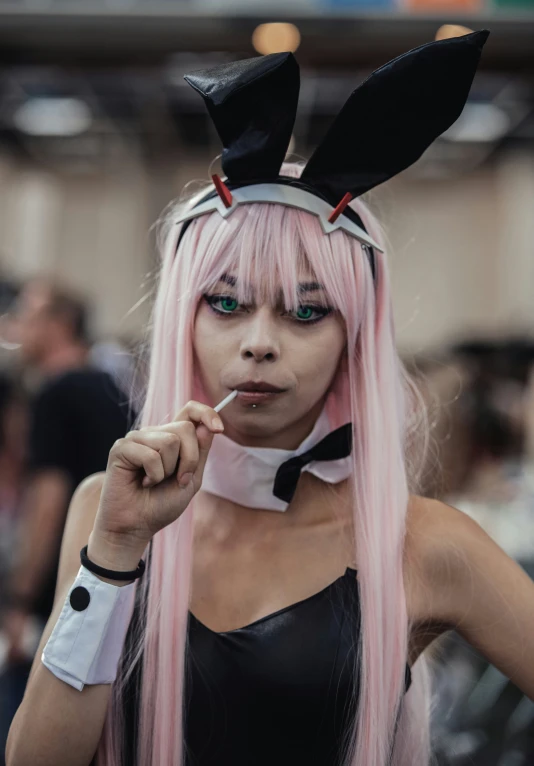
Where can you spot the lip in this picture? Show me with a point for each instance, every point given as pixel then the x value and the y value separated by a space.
pixel 253 397
pixel 258 385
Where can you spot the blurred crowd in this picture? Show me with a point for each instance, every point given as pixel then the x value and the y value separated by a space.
pixel 480 402
pixel 65 397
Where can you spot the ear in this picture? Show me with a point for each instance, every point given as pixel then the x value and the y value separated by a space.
pixel 253 104
pixel 392 117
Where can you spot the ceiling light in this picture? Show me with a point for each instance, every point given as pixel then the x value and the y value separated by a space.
pixel 53 117
pixel 452 30
pixel 276 38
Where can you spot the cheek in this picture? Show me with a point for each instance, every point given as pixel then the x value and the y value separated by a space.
pixel 318 359
pixel 208 344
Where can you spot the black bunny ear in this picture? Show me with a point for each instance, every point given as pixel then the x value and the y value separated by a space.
pixel 392 117
pixel 253 104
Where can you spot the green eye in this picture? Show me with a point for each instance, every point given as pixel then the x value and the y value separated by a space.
pixel 228 305
pixel 225 300
pixel 307 310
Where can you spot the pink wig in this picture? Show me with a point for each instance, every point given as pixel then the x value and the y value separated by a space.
pixel 265 243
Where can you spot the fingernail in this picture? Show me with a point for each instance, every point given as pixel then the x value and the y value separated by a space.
pixel 218 424
pixel 185 479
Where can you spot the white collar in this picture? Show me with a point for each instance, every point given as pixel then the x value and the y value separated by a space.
pixel 245 475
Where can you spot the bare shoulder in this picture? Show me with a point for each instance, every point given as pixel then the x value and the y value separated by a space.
pixel 443 540
pixel 433 528
pixel 438 538
pixel 458 576
pixel 433 531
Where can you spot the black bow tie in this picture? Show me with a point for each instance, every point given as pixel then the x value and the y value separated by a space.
pixel 334 446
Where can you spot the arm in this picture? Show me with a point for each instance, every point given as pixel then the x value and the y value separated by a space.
pixel 43 516
pixel 486 596
pixel 55 723
pixel 49 489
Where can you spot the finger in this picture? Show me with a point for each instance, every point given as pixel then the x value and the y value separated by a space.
pixel 137 456
pixel 188 450
pixel 167 443
pixel 205 439
pixel 196 412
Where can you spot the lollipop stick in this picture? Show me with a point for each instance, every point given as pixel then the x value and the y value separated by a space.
pixel 225 401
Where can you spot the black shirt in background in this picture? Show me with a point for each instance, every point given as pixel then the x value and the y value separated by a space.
pixel 76 418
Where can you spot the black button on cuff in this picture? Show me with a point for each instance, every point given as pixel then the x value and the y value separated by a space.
pixel 80 598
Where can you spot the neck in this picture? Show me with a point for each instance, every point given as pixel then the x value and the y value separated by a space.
pixel 315 502
pixel 64 358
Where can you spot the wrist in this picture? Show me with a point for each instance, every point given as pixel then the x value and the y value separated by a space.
pixel 119 554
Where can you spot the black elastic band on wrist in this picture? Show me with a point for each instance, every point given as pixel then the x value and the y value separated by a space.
pixel 111 574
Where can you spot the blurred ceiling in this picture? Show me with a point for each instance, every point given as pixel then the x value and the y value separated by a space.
pixel 144 31
pixel 107 77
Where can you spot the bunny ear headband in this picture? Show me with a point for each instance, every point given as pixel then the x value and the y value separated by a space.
pixel 384 127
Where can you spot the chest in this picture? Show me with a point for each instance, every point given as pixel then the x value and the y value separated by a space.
pixel 264 595
pixel 235 584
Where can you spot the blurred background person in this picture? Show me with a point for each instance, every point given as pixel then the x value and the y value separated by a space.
pixel 479 398
pixel 13 448
pixel 77 413
pixel 124 361
pixel 479 395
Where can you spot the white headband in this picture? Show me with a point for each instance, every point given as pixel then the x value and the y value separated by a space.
pixel 281 194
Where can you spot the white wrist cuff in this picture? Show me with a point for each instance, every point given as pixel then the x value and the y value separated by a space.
pixel 87 640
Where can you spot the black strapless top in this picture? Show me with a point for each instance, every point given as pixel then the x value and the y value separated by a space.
pixel 277 691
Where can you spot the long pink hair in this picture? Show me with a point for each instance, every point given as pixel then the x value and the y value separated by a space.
pixel 265 243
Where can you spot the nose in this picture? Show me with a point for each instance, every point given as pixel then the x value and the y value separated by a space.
pixel 259 354
pixel 260 338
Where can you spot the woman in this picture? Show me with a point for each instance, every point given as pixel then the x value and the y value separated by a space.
pixel 277 592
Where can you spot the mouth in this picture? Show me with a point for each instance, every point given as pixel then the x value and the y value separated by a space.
pixel 259 386
pixel 257 397
pixel 252 392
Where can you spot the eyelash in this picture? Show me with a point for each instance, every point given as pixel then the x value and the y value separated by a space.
pixel 324 311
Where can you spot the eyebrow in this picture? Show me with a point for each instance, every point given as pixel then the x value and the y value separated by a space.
pixel 304 287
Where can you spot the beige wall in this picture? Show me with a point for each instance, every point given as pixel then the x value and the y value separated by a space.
pixel 462 253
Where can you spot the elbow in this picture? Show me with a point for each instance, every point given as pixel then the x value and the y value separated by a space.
pixel 14 755
pixel 19 750
pixel 10 756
